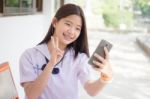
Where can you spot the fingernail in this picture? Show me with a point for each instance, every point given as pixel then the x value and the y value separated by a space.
pixel 93 61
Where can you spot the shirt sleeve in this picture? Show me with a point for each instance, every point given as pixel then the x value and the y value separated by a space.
pixel 84 73
pixel 27 72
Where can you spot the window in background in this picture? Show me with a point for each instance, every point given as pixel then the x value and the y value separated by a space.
pixel 1 7
pixel 20 7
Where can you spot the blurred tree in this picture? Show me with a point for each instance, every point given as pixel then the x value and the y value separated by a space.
pixel 114 13
pixel 143 5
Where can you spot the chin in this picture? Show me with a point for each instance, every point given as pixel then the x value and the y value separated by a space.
pixel 67 41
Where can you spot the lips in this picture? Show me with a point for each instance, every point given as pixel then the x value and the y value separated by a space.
pixel 67 37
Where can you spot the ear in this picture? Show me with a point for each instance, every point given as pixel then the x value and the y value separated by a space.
pixel 54 22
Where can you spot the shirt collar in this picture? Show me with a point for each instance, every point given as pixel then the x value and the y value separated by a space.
pixel 43 48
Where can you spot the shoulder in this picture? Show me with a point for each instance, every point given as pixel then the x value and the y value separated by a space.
pixel 29 51
pixel 35 53
pixel 27 54
pixel 34 50
pixel 81 56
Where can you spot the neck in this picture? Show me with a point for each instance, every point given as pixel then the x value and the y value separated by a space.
pixel 62 47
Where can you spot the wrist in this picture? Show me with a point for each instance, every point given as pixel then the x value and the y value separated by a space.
pixel 51 64
pixel 105 78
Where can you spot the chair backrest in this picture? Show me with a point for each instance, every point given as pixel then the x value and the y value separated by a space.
pixel 7 85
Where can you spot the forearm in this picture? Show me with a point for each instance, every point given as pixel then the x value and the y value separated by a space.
pixel 34 89
pixel 105 70
pixel 94 87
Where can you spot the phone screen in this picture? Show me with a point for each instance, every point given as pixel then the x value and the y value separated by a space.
pixel 100 51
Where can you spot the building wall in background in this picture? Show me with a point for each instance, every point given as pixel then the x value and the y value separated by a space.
pixel 18 33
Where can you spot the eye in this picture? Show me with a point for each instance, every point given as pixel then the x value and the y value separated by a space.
pixel 68 24
pixel 78 29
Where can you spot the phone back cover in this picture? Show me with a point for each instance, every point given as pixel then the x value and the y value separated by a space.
pixel 100 51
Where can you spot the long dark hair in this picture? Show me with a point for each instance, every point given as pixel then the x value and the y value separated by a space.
pixel 81 44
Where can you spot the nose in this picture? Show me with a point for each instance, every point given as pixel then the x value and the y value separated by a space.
pixel 71 31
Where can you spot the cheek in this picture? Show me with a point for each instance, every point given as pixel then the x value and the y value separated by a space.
pixel 62 30
pixel 77 35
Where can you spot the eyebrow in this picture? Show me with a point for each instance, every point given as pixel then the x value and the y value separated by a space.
pixel 71 22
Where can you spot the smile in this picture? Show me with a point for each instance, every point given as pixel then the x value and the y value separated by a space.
pixel 67 37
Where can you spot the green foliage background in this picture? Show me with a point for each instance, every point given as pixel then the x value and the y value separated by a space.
pixel 16 3
pixel 114 16
pixel 12 3
pixel 143 5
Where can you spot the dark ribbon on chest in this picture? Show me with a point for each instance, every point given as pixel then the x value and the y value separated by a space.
pixel 55 69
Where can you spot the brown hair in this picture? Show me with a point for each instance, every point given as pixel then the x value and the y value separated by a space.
pixel 81 44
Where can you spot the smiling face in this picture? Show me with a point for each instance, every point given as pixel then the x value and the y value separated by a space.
pixel 69 26
pixel 67 29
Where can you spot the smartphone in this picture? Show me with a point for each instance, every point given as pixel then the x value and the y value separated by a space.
pixel 100 51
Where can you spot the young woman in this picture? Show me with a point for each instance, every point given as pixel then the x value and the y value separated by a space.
pixel 51 69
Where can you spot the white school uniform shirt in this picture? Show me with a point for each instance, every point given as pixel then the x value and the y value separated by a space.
pixel 63 85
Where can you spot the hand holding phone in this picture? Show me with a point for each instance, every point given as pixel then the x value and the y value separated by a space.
pixel 100 51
